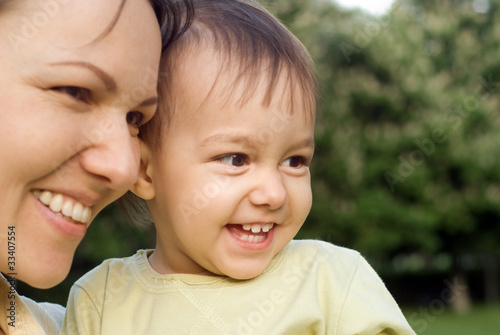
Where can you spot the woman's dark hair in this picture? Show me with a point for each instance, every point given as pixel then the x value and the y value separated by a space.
pixel 174 17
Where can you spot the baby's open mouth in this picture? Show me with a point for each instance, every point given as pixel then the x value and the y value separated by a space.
pixel 252 233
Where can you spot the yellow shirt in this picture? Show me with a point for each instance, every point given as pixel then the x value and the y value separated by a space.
pixel 311 287
pixel 23 316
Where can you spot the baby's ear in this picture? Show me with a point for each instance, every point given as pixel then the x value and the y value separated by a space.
pixel 143 187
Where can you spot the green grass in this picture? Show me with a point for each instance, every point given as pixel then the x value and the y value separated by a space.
pixel 435 320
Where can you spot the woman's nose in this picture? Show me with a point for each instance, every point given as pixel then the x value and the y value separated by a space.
pixel 113 154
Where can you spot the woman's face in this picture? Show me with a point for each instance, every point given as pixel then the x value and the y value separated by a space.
pixel 71 99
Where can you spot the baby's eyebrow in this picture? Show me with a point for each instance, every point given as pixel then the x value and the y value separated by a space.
pixel 249 142
pixel 108 81
pixel 309 142
pixel 221 138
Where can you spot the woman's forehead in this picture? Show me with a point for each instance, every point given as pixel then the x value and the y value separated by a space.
pixel 67 24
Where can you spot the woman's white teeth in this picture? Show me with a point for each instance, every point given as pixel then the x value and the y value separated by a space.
pixel 45 197
pixel 56 203
pixel 257 228
pixel 69 208
pixel 77 213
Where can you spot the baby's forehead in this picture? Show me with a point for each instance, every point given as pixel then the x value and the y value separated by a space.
pixel 211 73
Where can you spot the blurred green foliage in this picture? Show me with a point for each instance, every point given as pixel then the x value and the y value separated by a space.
pixel 407 161
pixel 407 158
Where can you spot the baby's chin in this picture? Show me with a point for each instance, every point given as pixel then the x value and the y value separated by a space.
pixel 244 273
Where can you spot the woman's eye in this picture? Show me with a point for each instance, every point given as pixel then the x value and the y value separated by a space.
pixel 295 162
pixel 234 159
pixel 78 93
pixel 135 119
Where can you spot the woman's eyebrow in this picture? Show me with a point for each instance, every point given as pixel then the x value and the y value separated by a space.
pixel 149 102
pixel 109 82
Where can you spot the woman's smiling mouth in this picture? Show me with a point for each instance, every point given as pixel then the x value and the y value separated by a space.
pixel 66 207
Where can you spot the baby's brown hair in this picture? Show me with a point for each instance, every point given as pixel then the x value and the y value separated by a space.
pixel 248 39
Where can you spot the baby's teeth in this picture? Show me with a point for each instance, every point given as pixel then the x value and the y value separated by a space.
pixel 56 203
pixel 45 197
pixel 255 229
pixel 252 238
pixel 255 238
pixel 267 227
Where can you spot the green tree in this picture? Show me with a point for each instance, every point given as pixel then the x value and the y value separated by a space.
pixel 407 141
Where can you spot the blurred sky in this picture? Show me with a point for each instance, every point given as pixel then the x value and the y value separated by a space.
pixel 372 6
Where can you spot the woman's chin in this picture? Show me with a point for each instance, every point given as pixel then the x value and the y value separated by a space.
pixel 44 282
pixel 41 278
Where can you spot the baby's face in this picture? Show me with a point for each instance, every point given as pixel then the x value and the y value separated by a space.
pixel 232 182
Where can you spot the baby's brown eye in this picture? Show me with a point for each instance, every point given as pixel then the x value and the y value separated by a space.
pixel 295 161
pixel 234 159
pixel 135 119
